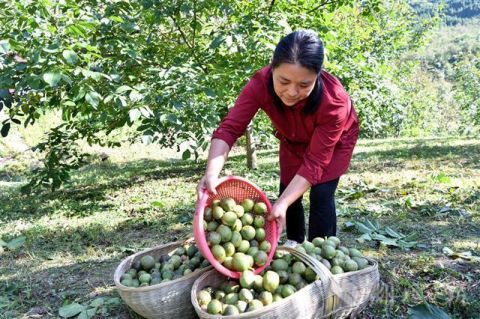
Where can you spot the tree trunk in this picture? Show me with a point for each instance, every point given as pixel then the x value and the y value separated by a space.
pixel 251 151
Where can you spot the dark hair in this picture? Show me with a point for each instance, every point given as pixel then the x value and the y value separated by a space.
pixel 305 48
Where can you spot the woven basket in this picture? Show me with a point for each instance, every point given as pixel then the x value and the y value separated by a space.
pixel 330 297
pixel 162 301
pixel 306 303
pixel 238 189
pixel 350 292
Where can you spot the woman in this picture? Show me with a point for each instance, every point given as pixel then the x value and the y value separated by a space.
pixel 315 123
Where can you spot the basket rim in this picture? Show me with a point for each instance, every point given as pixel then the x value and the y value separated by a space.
pixel 118 271
pixel 200 236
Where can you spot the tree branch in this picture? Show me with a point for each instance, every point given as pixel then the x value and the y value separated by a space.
pixel 271 6
pixel 194 21
pixel 322 4
pixel 184 38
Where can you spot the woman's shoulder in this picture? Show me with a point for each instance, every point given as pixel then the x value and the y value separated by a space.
pixel 335 101
pixel 333 88
pixel 258 82
pixel 263 74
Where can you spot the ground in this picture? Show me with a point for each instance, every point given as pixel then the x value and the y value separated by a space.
pixel 140 197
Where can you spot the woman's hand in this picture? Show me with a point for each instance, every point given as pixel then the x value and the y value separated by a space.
pixel 279 213
pixel 207 183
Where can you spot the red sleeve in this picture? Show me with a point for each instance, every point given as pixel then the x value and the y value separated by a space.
pixel 246 105
pixel 325 136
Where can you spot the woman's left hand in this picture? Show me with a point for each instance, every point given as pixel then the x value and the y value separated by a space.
pixel 279 213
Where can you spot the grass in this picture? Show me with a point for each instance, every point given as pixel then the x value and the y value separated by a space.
pixel 144 196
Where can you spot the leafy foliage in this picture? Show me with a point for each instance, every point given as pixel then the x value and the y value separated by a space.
pixel 170 69
pixel 98 306
pixel 427 311
pixel 450 68
pixel 371 230
pixel 13 244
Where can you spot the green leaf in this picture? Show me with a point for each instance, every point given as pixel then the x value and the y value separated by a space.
pixel 2 243
pixel 68 103
pixel 467 255
pixel 364 237
pixel 52 78
pixel 393 233
pixel 88 313
pixel 123 88
pixel 5 129
pixel 97 302
pixel 67 79
pixel 443 178
pixel 385 240
pixel 96 76
pixel 16 243
pixel 186 154
pixel 146 112
pixel 217 42
pixel 349 224
pixel 4 46
pixel 372 225
pixel 91 312
pixel 134 114
pixel 70 56
pixel 362 228
pixel 52 48
pixel 427 311
pixel 147 139
pixel 70 310
pixel 113 301
pixel 157 204
pixel 116 19
pixel 129 27
pixel 93 98
pixel 74 30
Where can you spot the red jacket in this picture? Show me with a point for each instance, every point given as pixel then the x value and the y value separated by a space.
pixel 318 146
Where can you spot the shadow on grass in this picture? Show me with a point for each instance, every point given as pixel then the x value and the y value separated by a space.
pixel 49 288
pixel 86 193
pixel 466 154
pixel 53 285
pixel 138 231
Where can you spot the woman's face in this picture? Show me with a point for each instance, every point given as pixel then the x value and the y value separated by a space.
pixel 293 82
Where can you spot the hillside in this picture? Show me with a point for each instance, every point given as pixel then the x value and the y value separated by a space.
pixel 453 11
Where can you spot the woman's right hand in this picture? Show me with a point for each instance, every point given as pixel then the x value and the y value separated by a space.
pixel 207 183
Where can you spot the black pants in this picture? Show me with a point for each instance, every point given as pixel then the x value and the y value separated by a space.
pixel 323 218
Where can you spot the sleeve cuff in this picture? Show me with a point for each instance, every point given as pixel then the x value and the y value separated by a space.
pixel 313 176
pixel 224 136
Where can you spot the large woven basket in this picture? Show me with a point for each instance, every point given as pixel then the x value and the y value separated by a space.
pixel 332 296
pixel 306 303
pixel 238 189
pixel 350 292
pixel 162 301
pixel 360 285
